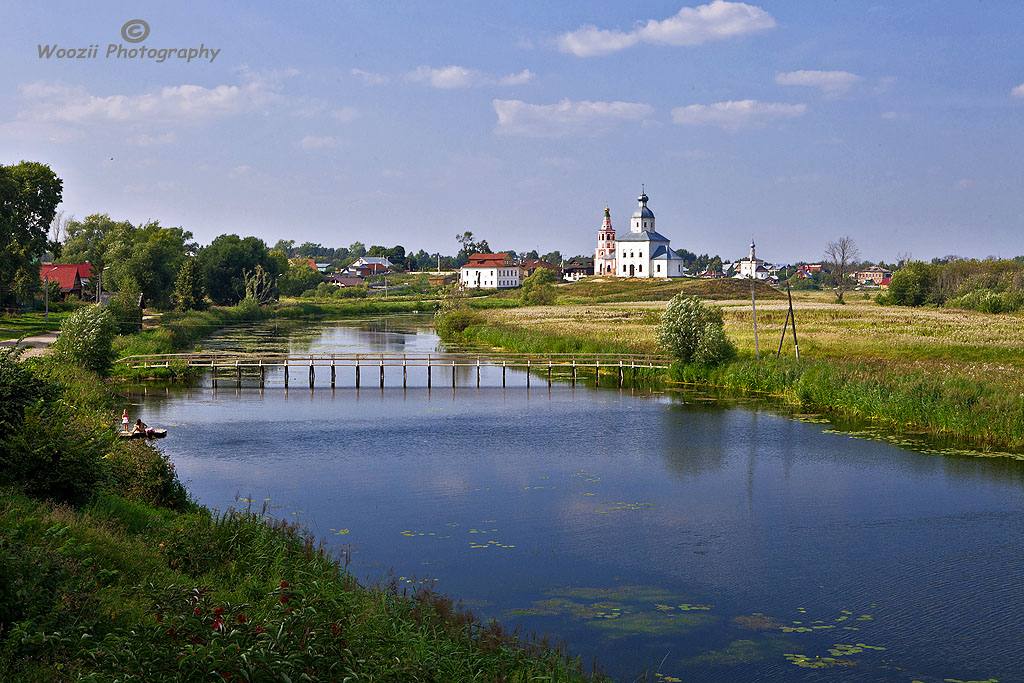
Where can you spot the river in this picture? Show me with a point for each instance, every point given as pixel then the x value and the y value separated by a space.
pixel 694 538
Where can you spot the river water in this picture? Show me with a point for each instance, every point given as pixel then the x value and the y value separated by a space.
pixel 667 532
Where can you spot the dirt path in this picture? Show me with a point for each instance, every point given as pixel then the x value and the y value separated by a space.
pixel 37 344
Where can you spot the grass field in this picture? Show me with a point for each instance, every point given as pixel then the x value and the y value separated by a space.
pixel 959 373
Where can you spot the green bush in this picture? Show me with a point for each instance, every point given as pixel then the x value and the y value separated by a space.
pixel 139 472
pixel 449 324
pixel 86 339
pixel 20 388
pixel 537 289
pixel 124 306
pixel 987 301
pixel 692 332
pixel 913 285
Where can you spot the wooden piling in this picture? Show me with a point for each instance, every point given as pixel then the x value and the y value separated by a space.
pixel 263 376
pixel 404 372
pixel 311 374
pixel 477 373
pixel 381 373
pixel 332 373
pixel 286 374
pixel 357 373
pixel 453 374
pixel 429 366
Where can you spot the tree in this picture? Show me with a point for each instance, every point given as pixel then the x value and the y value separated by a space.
pixel 29 195
pixel 224 262
pixel 148 256
pixel 537 289
pixel 298 279
pixel 259 285
pixel 357 250
pixel 694 333
pixel 841 255
pixel 469 247
pixel 86 339
pixel 189 292
pixel 913 285
pixel 554 257
pixel 125 308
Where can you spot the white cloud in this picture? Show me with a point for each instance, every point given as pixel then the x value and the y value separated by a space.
pixel 895 116
pixel 717 20
pixel 345 114
pixel 885 84
pixel 965 184
pixel 314 142
pixel 451 77
pixel 170 104
pixel 735 115
pixel 830 82
pixel 516 117
pixel 371 78
pixel 1018 91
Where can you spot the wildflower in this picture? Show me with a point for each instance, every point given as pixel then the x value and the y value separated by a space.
pixel 159 617
pixel 284 598
pixel 218 611
pixel 195 611
pixel 284 584
pixel 335 629
pixel 260 629
pixel 241 619
pixel 218 624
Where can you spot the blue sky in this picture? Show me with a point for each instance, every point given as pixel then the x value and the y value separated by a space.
pixel 900 123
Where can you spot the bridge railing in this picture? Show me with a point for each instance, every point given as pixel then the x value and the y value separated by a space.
pixel 237 359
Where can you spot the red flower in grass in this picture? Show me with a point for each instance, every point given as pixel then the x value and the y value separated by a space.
pixel 196 611
pixel 284 584
pixel 335 629
pixel 218 611
pixel 241 619
pixel 283 598
pixel 260 629
pixel 159 617
pixel 218 624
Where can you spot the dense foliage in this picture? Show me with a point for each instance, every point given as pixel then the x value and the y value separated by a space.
pixel 29 195
pixel 990 286
pixel 692 332
pixel 189 289
pixel 224 264
pixel 537 289
pixel 86 339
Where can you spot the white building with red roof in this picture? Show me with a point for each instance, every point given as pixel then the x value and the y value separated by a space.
pixel 491 271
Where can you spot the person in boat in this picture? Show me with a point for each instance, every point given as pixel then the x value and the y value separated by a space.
pixel 143 429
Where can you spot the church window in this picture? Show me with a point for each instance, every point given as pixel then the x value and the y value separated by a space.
pixel 630 254
pixel 659 267
pixel 640 268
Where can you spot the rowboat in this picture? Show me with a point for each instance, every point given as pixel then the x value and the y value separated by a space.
pixel 151 434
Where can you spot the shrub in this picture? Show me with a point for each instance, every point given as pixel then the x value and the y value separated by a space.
pixel 913 285
pixel 537 289
pixel 449 324
pixel 124 306
pixel 19 389
pixel 137 471
pixel 86 339
pixel 693 333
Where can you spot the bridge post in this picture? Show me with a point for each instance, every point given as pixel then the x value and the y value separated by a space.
pixel 429 367
pixel 238 374
pixel 574 370
pixel 549 372
pixel 311 373
pixel 382 373
pixel 263 375
pixel 405 368
pixel 597 372
pixel 332 372
pixel 620 372
pixel 213 374
pixel 357 373
pixel 453 373
pixel 477 373
pixel 286 373
pixel 527 373
pixel 503 374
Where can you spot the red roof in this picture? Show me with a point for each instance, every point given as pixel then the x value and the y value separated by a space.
pixel 884 281
pixel 487 260
pixel 69 275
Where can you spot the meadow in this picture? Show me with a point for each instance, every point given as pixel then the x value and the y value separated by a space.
pixel 948 372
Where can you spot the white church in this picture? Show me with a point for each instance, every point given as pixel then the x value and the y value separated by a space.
pixel 641 252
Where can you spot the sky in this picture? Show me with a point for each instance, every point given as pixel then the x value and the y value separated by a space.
pixel 900 124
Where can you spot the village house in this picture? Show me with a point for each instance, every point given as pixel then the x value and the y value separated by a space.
pixel 530 266
pixel 577 270
pixel 72 277
pixel 873 274
pixel 491 271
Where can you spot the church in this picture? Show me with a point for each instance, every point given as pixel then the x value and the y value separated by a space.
pixel 641 252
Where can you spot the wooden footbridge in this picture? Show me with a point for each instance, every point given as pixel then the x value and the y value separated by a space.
pixel 228 366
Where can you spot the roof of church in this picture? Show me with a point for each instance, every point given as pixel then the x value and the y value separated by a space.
pixel 664 252
pixel 642 211
pixel 642 236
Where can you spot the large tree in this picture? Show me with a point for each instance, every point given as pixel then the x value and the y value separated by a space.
pixel 841 257
pixel 224 264
pixel 29 195
pixel 148 257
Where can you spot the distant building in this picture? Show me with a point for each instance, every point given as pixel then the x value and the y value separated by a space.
pixel 643 252
pixel 604 255
pixel 443 279
pixel 372 265
pixel 577 270
pixel 490 271
pixel 873 274
pixel 531 265
pixel 343 281
pixel 751 268
pixel 72 277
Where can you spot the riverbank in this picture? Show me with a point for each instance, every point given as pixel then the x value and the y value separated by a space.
pixel 947 373
pixel 108 571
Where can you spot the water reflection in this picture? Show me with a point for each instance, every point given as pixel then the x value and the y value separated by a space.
pixel 615 517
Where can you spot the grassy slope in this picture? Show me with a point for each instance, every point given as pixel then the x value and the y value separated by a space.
pixel 950 372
